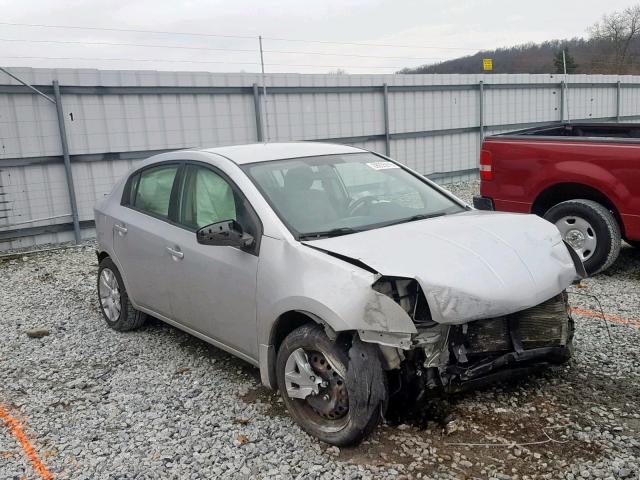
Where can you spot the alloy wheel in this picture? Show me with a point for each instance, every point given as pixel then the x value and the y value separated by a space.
pixel 109 292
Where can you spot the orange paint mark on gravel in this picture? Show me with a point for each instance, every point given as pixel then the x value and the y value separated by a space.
pixel 14 426
pixel 606 316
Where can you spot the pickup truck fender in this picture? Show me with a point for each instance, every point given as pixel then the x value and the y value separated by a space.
pixel 582 173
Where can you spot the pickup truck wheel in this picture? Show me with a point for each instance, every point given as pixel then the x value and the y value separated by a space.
pixel 113 299
pixel 319 391
pixel 591 229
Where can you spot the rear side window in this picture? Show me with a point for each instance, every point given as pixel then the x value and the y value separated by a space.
pixel 152 191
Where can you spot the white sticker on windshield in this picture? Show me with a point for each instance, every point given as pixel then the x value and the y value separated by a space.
pixel 382 165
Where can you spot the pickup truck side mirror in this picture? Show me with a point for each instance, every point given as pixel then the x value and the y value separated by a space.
pixel 227 233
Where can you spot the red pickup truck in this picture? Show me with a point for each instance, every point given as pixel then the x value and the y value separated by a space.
pixel 584 177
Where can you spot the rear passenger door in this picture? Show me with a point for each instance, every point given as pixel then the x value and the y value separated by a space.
pixel 142 233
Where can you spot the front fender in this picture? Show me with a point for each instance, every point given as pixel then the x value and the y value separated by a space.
pixel 294 277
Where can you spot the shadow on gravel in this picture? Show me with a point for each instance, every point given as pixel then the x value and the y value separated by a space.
pixel 193 347
pixel 627 264
pixel 505 426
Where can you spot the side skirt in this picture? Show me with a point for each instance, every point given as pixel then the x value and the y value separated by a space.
pixel 204 337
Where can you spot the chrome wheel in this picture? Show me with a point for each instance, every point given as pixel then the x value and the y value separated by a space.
pixel 109 292
pixel 578 233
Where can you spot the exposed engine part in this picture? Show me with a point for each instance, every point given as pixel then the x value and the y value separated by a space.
pixel 407 293
pixel 458 357
pixel 393 357
pixel 545 325
pixel 433 342
pixel 390 339
pixel 510 345
pixel 414 392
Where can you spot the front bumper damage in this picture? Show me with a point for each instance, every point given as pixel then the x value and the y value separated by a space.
pixel 454 358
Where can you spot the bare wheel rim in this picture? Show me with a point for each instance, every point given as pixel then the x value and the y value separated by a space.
pixel 318 391
pixel 580 234
pixel 109 292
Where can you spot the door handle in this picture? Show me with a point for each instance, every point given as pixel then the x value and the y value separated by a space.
pixel 120 228
pixel 177 254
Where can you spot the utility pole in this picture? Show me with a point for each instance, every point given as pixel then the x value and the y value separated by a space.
pixel 564 66
pixel 264 93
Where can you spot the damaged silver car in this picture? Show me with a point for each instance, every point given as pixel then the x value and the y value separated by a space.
pixel 347 278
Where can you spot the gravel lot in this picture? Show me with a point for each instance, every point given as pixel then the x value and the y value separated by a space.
pixel 158 403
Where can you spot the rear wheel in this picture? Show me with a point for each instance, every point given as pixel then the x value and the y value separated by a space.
pixel 591 229
pixel 322 394
pixel 113 299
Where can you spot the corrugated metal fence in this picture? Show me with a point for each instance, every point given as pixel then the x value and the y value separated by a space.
pixel 433 123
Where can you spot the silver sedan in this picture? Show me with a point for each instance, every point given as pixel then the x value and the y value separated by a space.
pixel 351 281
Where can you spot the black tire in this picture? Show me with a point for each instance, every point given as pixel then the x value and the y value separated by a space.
pixel 363 374
pixel 605 226
pixel 128 318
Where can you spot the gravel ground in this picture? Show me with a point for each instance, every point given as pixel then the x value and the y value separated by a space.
pixel 158 403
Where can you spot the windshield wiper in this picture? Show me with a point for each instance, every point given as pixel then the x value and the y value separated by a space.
pixel 413 218
pixel 334 232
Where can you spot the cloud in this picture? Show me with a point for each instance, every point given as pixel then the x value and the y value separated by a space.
pixel 435 27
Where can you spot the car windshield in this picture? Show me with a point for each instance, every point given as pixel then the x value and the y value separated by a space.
pixel 334 195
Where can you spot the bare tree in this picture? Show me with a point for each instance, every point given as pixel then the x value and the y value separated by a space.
pixel 613 47
pixel 618 30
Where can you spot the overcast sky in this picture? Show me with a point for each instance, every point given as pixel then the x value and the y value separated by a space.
pixel 428 30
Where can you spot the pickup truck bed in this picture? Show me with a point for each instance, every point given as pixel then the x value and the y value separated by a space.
pixel 584 177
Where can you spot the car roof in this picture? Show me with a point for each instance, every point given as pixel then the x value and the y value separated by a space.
pixel 264 152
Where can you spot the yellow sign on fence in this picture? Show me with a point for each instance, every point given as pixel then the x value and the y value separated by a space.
pixel 487 64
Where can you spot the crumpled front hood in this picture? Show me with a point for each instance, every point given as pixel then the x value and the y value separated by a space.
pixel 471 265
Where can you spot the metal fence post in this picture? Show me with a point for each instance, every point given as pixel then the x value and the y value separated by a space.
pixel 256 108
pixel 67 162
pixel 618 92
pixel 561 101
pixel 387 140
pixel 481 110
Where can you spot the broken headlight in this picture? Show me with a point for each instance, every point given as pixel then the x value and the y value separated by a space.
pixel 407 293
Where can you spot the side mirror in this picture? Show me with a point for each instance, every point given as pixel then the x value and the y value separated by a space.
pixel 227 233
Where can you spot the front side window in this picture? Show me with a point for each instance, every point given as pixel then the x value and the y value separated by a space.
pixel 207 198
pixel 339 194
pixel 152 192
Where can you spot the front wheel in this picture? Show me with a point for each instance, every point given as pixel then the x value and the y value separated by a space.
pixel 591 229
pixel 335 390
